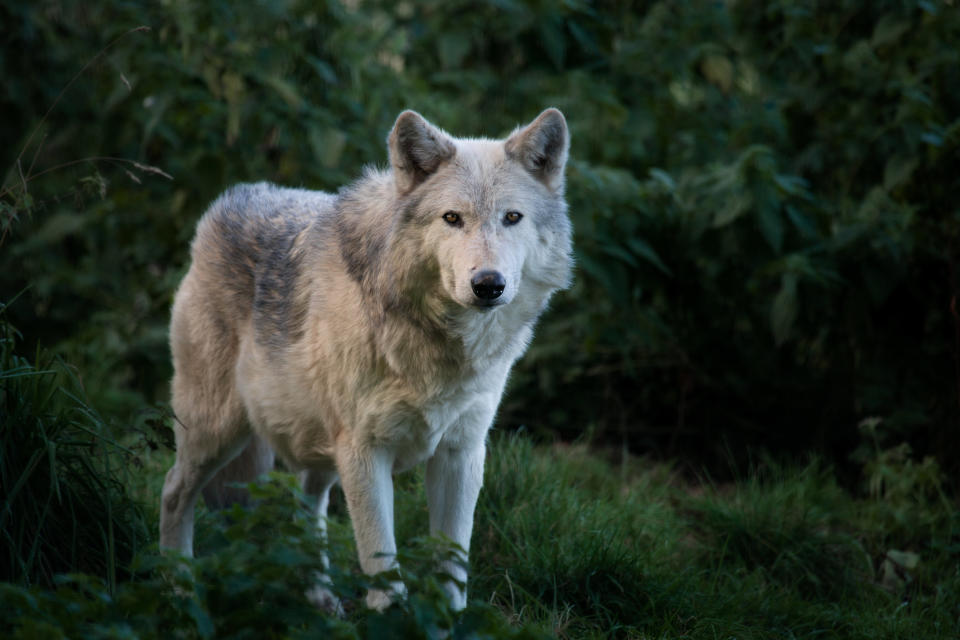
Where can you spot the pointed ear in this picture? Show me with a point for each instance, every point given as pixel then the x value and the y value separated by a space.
pixel 542 147
pixel 417 149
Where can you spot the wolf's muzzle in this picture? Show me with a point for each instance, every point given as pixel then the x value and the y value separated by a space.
pixel 488 285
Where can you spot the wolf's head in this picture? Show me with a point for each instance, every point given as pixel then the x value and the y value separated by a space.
pixel 490 214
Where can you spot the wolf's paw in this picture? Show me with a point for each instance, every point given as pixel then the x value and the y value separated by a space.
pixel 322 598
pixel 456 595
pixel 380 599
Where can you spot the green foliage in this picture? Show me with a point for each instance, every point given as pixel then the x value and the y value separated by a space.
pixel 763 197
pixel 63 507
pixel 910 501
pixel 253 585
pixel 776 245
pixel 565 544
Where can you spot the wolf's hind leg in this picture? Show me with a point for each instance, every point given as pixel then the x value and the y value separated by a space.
pixel 201 453
pixel 317 484
pixel 256 458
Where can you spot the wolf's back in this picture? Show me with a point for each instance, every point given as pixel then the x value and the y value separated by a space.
pixel 240 265
pixel 245 234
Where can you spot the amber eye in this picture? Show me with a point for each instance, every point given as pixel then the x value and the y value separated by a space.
pixel 451 217
pixel 512 217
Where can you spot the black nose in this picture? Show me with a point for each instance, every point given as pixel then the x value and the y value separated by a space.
pixel 488 285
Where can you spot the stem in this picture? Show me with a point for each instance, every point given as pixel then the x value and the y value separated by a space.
pixel 63 91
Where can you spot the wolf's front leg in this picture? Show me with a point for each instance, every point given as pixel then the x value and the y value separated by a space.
pixel 454 478
pixel 367 481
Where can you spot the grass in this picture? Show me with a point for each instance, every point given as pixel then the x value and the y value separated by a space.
pixel 784 553
pixel 64 507
pixel 566 544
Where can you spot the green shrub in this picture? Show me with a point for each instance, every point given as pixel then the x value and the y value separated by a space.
pixel 253 585
pixel 565 544
pixel 763 196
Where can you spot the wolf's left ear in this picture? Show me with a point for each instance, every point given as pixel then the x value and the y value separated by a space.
pixel 417 149
pixel 542 147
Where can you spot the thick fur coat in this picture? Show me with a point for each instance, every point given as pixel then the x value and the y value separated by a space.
pixel 359 334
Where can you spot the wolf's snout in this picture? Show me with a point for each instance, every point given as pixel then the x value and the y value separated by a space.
pixel 488 285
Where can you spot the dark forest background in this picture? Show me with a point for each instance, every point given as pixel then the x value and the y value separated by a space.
pixel 764 194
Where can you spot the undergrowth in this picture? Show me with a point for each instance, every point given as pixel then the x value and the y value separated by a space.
pixel 64 507
pixel 785 552
pixel 565 545
pixel 253 585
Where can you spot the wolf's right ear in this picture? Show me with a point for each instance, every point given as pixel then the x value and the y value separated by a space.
pixel 542 147
pixel 417 149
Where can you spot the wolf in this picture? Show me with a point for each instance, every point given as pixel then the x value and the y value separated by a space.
pixel 362 333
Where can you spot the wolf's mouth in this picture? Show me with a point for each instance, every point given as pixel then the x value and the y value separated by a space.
pixel 487 305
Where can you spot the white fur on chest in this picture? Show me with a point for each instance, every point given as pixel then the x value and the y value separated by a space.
pixel 461 414
pixel 458 420
pixel 459 411
pixel 456 415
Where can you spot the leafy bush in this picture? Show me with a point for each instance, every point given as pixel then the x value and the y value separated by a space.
pixel 765 234
pixel 253 586
pixel 763 197
pixel 565 544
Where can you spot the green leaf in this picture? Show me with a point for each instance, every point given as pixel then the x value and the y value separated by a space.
pixel 803 222
pixel 888 30
pixel 553 39
pixel 619 252
pixel 323 69
pixel 285 89
pixel 645 251
pixel 737 203
pixel 897 171
pixel 933 138
pixel 663 178
pixel 792 185
pixel 783 312
pixel 769 218
pixel 200 617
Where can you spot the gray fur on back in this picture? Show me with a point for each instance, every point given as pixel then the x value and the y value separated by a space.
pixel 250 235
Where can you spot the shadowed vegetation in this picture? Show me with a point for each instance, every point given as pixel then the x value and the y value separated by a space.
pixel 566 545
